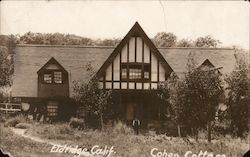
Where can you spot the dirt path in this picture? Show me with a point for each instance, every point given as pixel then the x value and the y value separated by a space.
pixel 21 132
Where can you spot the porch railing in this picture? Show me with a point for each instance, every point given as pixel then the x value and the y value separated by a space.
pixel 9 108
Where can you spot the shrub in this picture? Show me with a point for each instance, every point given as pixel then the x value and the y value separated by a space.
pixel 77 123
pixel 121 128
pixel 23 125
pixel 13 121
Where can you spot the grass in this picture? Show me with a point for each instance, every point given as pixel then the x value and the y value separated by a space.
pixel 13 121
pixel 21 147
pixel 125 143
pixel 128 145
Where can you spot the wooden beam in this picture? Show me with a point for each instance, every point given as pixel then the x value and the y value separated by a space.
pixel 127 65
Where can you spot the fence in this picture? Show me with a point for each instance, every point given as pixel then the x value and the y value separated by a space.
pixel 10 108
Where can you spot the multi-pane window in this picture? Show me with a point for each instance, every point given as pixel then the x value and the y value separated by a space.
pixel 58 77
pixel 47 78
pixel 137 71
pixel 53 77
pixel 52 110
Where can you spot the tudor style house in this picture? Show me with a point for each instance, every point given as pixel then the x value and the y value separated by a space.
pixel 44 74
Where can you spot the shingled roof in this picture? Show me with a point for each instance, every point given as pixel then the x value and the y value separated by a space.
pixel 30 58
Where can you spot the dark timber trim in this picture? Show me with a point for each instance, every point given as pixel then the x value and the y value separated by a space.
pixel 120 70
pixel 158 72
pixel 135 55
pixel 112 75
pixel 150 68
pixel 104 80
pixel 135 49
pixel 127 65
pixel 137 31
pixel 142 63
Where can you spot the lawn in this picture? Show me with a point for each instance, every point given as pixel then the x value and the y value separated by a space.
pixel 21 147
pixel 120 137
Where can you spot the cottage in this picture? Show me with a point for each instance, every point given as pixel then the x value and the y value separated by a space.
pixel 44 74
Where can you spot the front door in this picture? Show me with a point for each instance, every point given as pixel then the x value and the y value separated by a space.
pixel 130 111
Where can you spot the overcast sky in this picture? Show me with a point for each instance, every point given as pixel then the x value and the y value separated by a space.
pixel 225 21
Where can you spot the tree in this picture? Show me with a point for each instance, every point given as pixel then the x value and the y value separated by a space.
pixel 171 92
pixel 163 39
pixel 93 101
pixel 7 46
pixel 107 42
pixel 196 96
pixel 185 43
pixel 204 89
pixel 238 99
pixel 64 39
pixel 207 41
pixel 4 67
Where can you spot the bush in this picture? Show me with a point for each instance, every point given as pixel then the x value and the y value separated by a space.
pixel 121 128
pixel 13 121
pixel 77 123
pixel 23 125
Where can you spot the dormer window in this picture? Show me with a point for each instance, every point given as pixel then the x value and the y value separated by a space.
pixel 47 78
pixel 58 77
pixel 51 76
pixel 52 73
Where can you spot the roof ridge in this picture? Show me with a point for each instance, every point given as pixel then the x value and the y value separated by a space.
pixel 64 46
pixel 212 48
pixel 84 46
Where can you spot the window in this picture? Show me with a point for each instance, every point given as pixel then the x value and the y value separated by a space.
pixel 53 77
pixel 52 109
pixel 58 77
pixel 47 78
pixel 136 71
pixel 124 72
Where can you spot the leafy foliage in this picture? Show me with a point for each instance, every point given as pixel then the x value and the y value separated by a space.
pixel 64 39
pixel 196 96
pixel 93 101
pixel 238 99
pixel 7 46
pixel 203 92
pixel 4 67
pixel 185 43
pixel 163 39
pixel 207 41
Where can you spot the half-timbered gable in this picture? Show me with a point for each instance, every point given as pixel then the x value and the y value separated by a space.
pixel 134 64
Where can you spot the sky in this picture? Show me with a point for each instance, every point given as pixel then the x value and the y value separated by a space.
pixel 227 21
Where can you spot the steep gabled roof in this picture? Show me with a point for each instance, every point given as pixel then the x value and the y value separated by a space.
pixel 207 63
pixel 137 31
pixel 208 66
pixel 51 61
